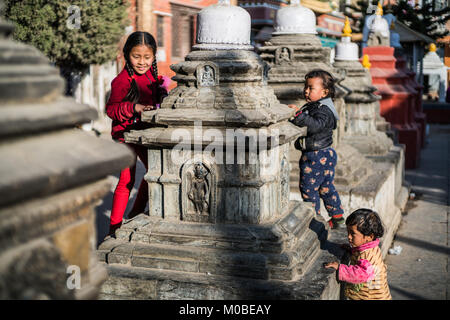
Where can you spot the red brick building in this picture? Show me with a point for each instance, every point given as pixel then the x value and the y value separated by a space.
pixel 172 23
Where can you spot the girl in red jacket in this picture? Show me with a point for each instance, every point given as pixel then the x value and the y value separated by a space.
pixel 136 89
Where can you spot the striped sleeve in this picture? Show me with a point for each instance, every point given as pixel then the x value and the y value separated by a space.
pixel 361 272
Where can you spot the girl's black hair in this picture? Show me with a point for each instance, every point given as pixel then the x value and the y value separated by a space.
pixel 367 222
pixel 135 39
pixel 327 80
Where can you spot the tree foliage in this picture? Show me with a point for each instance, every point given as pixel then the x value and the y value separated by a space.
pixel 71 33
pixel 424 19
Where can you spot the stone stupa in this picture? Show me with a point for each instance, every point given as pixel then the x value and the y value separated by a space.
pixel 219 228
pixel 295 33
pixel 361 132
pixel 53 176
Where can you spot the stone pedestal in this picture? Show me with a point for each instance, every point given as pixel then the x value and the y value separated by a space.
pixel 287 80
pixel 360 180
pixel 53 176
pixel 397 105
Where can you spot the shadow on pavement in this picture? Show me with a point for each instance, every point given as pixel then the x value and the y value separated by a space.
pixel 405 293
pixel 423 244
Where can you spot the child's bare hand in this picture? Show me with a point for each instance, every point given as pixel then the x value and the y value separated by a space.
pixel 140 108
pixel 334 265
pixel 293 106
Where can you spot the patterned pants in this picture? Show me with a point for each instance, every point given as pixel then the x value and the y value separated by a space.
pixel 316 180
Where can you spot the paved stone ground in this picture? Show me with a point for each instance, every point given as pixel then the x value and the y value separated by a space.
pixel 420 271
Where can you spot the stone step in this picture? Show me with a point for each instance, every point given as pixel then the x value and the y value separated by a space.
pixel 246 237
pixel 282 250
pixel 316 283
pixel 284 266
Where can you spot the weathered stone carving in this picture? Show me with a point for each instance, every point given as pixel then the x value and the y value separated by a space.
pixel 197 183
pixel 207 75
pixel 254 235
pixel 283 55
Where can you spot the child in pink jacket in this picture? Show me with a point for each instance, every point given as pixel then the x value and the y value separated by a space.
pixel 366 276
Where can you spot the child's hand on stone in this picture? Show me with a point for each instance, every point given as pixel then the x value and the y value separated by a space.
pixel 140 108
pixel 334 265
pixel 293 106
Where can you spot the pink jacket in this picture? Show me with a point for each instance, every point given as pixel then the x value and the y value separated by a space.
pixel 362 271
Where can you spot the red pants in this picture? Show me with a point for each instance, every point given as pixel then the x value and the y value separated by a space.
pixel 125 185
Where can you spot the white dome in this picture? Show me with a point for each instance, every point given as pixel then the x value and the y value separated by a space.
pixel 223 26
pixel 295 19
pixel 346 50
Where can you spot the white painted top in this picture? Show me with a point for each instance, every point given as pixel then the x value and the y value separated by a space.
pixel 379 25
pixel 223 26
pixel 346 50
pixel 295 19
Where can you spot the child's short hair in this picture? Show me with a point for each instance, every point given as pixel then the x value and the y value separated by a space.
pixel 367 222
pixel 327 80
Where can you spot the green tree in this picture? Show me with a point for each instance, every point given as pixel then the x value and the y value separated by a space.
pixel 425 19
pixel 72 33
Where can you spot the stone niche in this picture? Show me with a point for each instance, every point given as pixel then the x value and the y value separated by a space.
pixel 53 176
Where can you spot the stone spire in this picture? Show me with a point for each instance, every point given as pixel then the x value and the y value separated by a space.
pixel 217 213
pixel 295 19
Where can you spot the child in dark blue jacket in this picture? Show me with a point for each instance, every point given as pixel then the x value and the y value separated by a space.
pixel 318 160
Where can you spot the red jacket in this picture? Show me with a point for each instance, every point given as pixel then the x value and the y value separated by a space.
pixel 122 112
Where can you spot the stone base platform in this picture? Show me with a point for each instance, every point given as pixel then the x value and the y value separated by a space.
pixel 166 260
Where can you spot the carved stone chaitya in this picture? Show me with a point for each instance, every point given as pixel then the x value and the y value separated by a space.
pixel 198 191
pixel 357 179
pixel 53 176
pixel 363 116
pixel 221 224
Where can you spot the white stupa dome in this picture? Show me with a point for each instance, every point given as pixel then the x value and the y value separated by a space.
pixel 223 26
pixel 346 50
pixel 295 19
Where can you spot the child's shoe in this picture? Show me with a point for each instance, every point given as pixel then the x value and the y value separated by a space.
pixel 337 223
